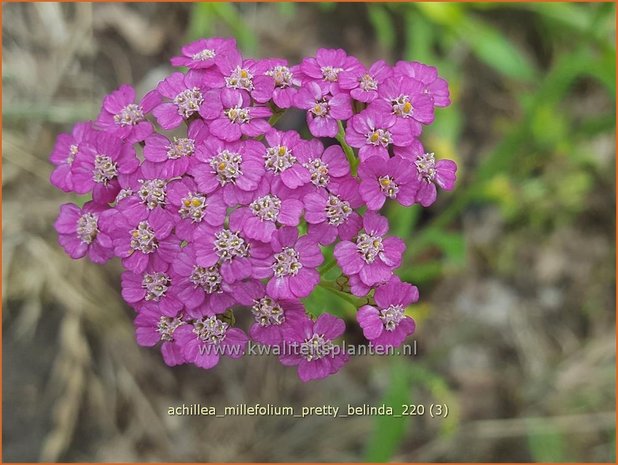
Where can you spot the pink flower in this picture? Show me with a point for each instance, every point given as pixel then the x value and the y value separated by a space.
pixel 186 94
pixel 386 324
pixel 99 163
pixel 331 214
pixel 79 232
pixel 281 157
pixel 323 165
pixel 176 155
pixel 231 115
pixel 204 53
pixel 323 109
pixel 64 153
pixel 291 268
pixel 431 172
pixel 190 207
pixel 148 190
pixel 142 239
pixel 395 178
pixel 207 338
pixel 271 317
pixel 286 81
pixel 362 84
pixel 309 346
pixel 434 85
pixel 404 97
pixel 234 168
pixel 152 328
pixel 154 287
pixel 124 118
pixel 374 132
pixel 225 247
pixel 248 75
pixel 371 255
pixel 326 67
pixel 202 289
pixel 273 204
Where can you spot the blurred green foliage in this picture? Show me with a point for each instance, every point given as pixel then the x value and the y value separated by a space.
pixel 539 172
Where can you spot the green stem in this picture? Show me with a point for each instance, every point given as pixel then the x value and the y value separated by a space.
pixel 275 117
pixel 332 287
pixel 349 152
pixel 328 266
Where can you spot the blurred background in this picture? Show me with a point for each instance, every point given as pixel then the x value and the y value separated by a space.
pixel 516 324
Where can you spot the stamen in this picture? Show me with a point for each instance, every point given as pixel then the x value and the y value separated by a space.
pixel 189 101
pixel 143 238
pixel 380 137
pixel 228 244
pixel 318 171
pixel 180 147
pixel 369 246
pixel 152 192
pixel 129 115
pixel 287 263
pixel 337 210
pixel 227 166
pixel 167 325
pixel 156 285
pixel 204 55
pixel 426 166
pixel 238 115
pixel 73 149
pixel 240 78
pixel 267 312
pixel 105 169
pixel 330 73
pixel 266 208
pixel 388 186
pixel 391 316
pixel 278 159
pixel 402 106
pixel 210 329
pixel 193 206
pixel 87 228
pixel 282 76
pixel 368 83
pixel 209 279
pixel 316 347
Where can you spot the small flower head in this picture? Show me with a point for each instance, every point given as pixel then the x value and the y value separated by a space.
pixel 386 323
pixel 309 346
pixel 371 254
pixel 395 178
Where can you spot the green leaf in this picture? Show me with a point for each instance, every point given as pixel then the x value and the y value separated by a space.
pixel 547 447
pixel 389 431
pixel 382 24
pixel 495 50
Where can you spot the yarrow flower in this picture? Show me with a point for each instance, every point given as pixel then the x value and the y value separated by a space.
pixel 230 214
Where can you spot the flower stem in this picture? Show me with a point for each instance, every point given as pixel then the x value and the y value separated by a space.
pixel 349 152
pixel 331 286
pixel 328 265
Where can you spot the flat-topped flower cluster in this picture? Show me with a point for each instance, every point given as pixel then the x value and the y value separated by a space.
pixel 212 209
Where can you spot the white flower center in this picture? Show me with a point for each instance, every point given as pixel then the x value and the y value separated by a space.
pixel 267 312
pixel 266 208
pixel 189 101
pixel 287 263
pixel 143 238
pixel 87 227
pixel 369 246
pixel 129 115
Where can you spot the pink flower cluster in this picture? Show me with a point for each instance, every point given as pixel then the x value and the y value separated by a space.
pixel 212 209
